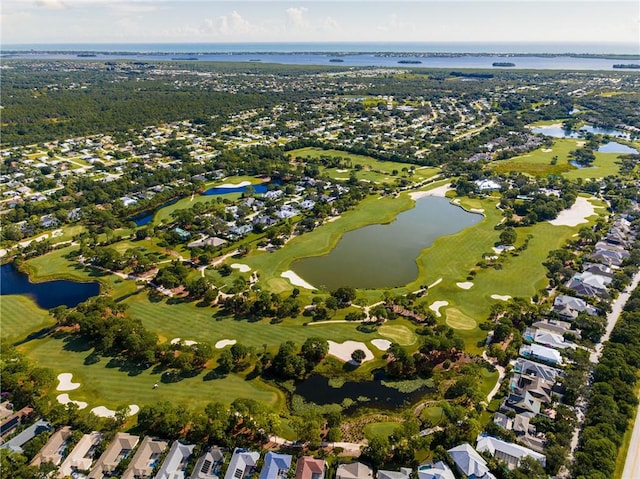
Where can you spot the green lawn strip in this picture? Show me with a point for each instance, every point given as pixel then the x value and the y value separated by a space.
pixel 56 265
pixel 105 384
pixel 21 316
pixel 488 381
pixel 380 429
pixel 164 214
pixel 606 164
pixel 433 413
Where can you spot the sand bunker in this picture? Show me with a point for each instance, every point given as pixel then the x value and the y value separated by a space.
pixel 232 185
pixel 435 283
pixel 465 285
pixel 546 150
pixel 435 307
pixel 65 382
pixel 242 267
pixel 64 399
pixel 296 280
pixel 186 342
pixel 381 344
pixel 501 297
pixel 225 342
pixel 502 248
pixel 439 191
pixel 102 411
pixel 341 171
pixel 577 214
pixel 343 351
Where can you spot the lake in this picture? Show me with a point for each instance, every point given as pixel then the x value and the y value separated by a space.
pixel 257 188
pixel 316 389
pixel 556 131
pixel 614 147
pixel 384 255
pixel 48 294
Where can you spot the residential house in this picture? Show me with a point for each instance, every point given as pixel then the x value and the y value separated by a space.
pixel 469 462
pixel 541 353
pixel 308 467
pixel 81 457
pixel 569 307
pixel 589 284
pixel 209 464
pixel 439 470
pixel 145 459
pixel 556 326
pixel 175 463
pixel 276 466
pixel 15 444
pixel 533 368
pixel 120 448
pixel 487 185
pixel 11 420
pixel 508 452
pixel 354 470
pixel 525 403
pixel 53 450
pixel 403 473
pixel 242 464
pixel 547 338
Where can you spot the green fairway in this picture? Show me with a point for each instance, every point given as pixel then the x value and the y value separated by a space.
pixel 21 316
pixel 380 429
pixel 369 169
pixel 105 384
pixel 187 321
pixel 539 162
pixel 397 333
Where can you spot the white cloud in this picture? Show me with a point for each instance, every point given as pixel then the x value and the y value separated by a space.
pixel 394 24
pixel 55 4
pixel 296 17
pixel 329 24
pixel 228 25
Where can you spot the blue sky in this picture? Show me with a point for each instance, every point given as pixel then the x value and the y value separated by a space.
pixel 128 21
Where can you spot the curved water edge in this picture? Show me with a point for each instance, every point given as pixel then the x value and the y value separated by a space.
pixel 362 258
pixel 370 393
pixel 46 294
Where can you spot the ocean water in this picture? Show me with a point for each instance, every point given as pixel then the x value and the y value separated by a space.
pixel 534 56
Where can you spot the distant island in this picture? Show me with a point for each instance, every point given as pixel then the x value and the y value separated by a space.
pixel 503 64
pixel 336 60
pixel 86 55
pixel 627 65
pixel 409 62
pixel 184 58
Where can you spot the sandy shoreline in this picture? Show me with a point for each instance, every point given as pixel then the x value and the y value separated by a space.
pixel 296 280
pixel 440 191
pixel 233 185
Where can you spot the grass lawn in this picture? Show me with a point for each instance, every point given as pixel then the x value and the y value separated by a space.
pixel 488 381
pixel 21 316
pixel 105 383
pixel 373 170
pixel 380 429
pixel 397 333
pixel 57 265
pixel 538 162
pixel 433 413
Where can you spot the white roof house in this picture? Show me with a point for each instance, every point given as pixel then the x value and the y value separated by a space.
pixel 468 461
pixel 176 461
pixel 81 457
pixel 439 470
pixel 541 353
pixel 242 463
pixel 508 452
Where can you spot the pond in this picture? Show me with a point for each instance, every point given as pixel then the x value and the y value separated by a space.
pixel 48 294
pixel 557 131
pixel 614 147
pixel 316 389
pixel 381 256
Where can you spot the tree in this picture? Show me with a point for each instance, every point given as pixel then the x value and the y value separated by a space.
pixel 358 356
pixel 345 295
pixel 508 236
pixel 314 350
